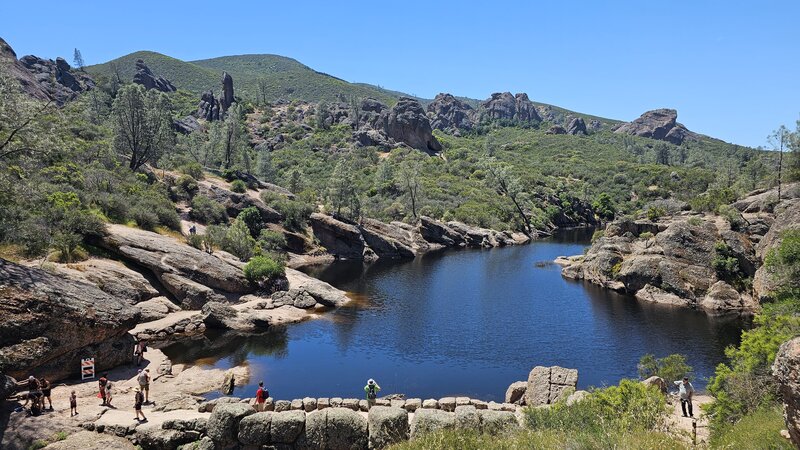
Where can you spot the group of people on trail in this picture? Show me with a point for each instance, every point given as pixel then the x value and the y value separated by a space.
pixel 262 394
pixel 39 390
pixel 141 393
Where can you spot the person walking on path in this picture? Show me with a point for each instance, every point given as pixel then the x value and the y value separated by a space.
pixel 371 389
pixel 137 405
pixel 46 391
pixel 138 352
pixel 261 397
pixel 101 383
pixel 73 404
pixel 686 390
pixel 144 383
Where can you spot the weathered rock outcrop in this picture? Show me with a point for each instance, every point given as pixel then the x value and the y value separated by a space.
pixel 234 202
pixel 341 239
pixel 673 267
pixel 658 124
pixel 388 240
pixel 226 100
pixel 506 107
pixel 450 114
pixel 556 129
pixel 44 79
pixel 111 277
pixel 208 108
pixel 786 370
pixel 547 385
pixel 187 125
pixel 576 126
pixel 49 323
pixel 164 255
pixel 387 426
pixel 407 123
pixel 149 80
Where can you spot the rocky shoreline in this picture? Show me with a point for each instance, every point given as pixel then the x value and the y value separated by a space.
pixel 674 260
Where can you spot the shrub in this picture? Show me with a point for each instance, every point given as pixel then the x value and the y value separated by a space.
pixel 271 240
pixel 251 216
pixel 263 268
pixel 238 241
pixel 238 186
pixel 655 212
pixel 646 235
pixel 295 212
pixel 604 206
pixel 783 262
pixel 725 262
pixel 733 216
pixel 193 169
pixel 144 217
pixel 597 235
pixel 207 211
pixel 187 186
pixel 695 221
pixel 629 407
pixel 670 368
pixel 196 241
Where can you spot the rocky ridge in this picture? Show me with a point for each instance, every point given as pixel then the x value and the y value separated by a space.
pixel 660 124
pixel 149 80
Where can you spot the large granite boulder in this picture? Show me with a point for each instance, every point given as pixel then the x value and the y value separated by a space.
pixel 506 107
pixel 576 126
pixel 208 108
pixel 341 239
pixel 111 277
pixel 786 370
pixel 439 233
pixel 286 427
pixel 321 291
pixel 149 80
pixel 387 426
pixel 46 79
pixel 516 392
pixel 165 255
pixel 450 114
pixel 497 422
pixel 428 421
pixel 722 298
pixel 49 323
pixel 153 438
pixel 387 240
pixel 658 124
pixel 223 425
pixel 255 429
pixel 548 385
pixel 407 123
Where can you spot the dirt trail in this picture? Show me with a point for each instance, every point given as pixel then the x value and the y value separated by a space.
pixel 682 426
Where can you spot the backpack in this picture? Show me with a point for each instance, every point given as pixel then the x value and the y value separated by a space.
pixel 139 397
pixel 372 394
pixel 142 379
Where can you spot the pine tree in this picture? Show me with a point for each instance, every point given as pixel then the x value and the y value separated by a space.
pixel 77 58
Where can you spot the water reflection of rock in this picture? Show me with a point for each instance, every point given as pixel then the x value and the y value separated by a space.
pixel 233 347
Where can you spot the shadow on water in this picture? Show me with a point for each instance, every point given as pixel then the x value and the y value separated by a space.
pixel 465 322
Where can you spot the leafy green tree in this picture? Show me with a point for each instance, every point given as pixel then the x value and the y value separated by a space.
pixel 500 177
pixel 143 125
pixel 251 216
pixel 341 190
pixel 780 139
pixel 662 153
pixel 670 368
pixel 77 59
pixel 794 162
pixel 604 206
pixel 410 175
pixel 20 118
pixel 238 240
pixel 321 116
pixel 234 146
pixel 265 168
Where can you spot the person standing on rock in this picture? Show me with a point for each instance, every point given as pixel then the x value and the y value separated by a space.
pixel 73 404
pixel 101 383
pixel 261 397
pixel 137 405
pixel 46 392
pixel 144 383
pixel 138 352
pixel 372 390
pixel 686 390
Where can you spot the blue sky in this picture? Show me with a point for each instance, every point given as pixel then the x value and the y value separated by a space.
pixel 730 68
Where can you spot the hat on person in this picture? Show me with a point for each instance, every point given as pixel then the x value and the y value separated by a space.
pixel 31 378
pixel 685 378
pixel 370 381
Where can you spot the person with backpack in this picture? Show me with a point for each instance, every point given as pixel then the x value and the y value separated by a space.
pixel 73 404
pixel 144 383
pixel 371 389
pixel 137 404
pixel 138 351
pixel 101 383
pixel 261 397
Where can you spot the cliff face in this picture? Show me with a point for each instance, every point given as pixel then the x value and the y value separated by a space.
pixel 49 323
pixel 672 261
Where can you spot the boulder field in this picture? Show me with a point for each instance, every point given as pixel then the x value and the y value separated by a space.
pixel 671 260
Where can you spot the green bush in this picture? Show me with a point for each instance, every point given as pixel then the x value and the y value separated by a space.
pixel 646 235
pixel 193 169
pixel 629 407
pixel 295 212
pixel 144 217
pixel 272 241
pixel 238 186
pixel 187 186
pixel 783 262
pixel 263 268
pixel 251 216
pixel 670 368
pixel 655 212
pixel 695 221
pixel 604 207
pixel 733 216
pixel 207 211
pixel 597 235
pixel 725 262
pixel 238 241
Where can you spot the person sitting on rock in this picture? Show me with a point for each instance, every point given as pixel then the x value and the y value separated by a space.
pixel 261 397
pixel 137 404
pixel 686 390
pixel 371 389
pixel 46 391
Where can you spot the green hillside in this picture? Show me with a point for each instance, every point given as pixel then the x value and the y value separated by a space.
pixel 183 75
pixel 287 78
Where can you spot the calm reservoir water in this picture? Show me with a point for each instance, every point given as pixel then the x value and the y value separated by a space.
pixel 467 322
